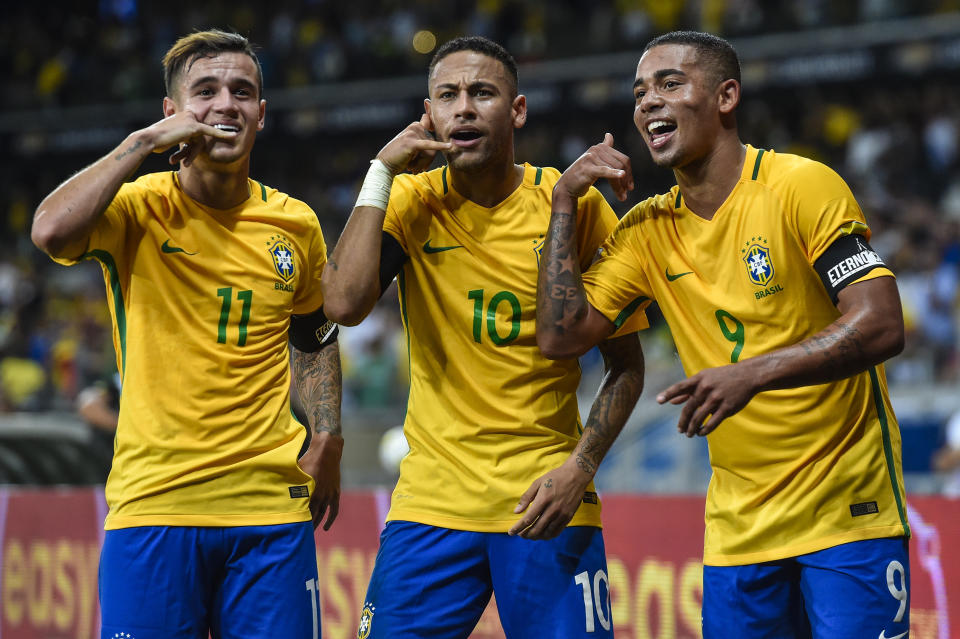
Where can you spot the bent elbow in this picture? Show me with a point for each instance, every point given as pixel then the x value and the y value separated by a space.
pixel 345 310
pixel 555 347
pixel 44 237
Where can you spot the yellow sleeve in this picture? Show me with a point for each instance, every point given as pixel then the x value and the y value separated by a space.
pixel 309 296
pixel 616 284
pixel 823 207
pixel 402 196
pixel 110 233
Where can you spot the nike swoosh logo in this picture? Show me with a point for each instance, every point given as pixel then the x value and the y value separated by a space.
pixel 884 636
pixel 438 249
pixel 671 278
pixel 166 248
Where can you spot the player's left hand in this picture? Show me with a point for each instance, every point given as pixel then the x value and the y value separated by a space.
pixel 710 397
pixel 551 502
pixel 322 462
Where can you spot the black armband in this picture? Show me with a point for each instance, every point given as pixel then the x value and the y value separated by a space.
pixel 310 333
pixel 846 260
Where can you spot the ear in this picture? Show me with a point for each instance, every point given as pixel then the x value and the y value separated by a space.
pixel 519 109
pixel 169 107
pixel 426 109
pixel 261 115
pixel 728 96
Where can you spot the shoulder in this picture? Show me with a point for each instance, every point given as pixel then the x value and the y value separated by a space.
pixel 651 210
pixel 434 182
pixel 275 198
pixel 161 183
pixel 786 171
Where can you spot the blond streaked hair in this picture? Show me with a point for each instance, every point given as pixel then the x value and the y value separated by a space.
pixel 205 44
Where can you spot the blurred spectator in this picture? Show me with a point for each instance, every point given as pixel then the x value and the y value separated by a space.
pixel 947 459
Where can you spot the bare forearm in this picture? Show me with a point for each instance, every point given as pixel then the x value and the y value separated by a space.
pixel 319 382
pixel 844 348
pixel 351 278
pixel 561 300
pixel 619 391
pixel 66 217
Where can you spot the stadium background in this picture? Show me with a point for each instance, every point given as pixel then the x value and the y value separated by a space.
pixel 871 87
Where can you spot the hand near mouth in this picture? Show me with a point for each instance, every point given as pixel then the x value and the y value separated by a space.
pixel 413 149
pixel 599 161
pixel 184 129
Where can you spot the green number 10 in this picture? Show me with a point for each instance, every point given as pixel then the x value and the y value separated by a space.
pixel 244 296
pixel 736 335
pixel 495 301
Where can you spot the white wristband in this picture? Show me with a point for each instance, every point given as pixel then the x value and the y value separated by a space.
pixel 375 191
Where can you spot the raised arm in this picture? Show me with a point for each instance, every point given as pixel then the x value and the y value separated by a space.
pixel 552 500
pixel 319 381
pixel 868 331
pixel 567 325
pixel 65 219
pixel 352 279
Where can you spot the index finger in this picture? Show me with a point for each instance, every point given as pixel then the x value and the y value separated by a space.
pixel 334 510
pixel 683 388
pixel 213 131
pixel 529 518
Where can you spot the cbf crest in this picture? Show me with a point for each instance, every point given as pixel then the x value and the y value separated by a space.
pixel 756 256
pixel 366 620
pixel 281 250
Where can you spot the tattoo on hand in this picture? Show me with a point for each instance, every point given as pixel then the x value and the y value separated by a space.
pixel 548 483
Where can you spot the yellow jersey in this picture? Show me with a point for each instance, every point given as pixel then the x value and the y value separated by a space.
pixel 487 412
pixel 797 470
pixel 201 300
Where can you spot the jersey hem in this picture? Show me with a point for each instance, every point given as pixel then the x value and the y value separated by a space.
pixel 256 519
pixel 861 534
pixel 477 525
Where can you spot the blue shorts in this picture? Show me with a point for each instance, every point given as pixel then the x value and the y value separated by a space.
pixel 436 582
pixel 158 582
pixel 853 590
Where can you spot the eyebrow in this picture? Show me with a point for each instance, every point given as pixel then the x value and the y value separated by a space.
pixel 659 75
pixel 207 79
pixel 473 85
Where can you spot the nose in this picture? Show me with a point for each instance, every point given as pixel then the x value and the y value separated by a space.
pixel 650 101
pixel 224 102
pixel 464 107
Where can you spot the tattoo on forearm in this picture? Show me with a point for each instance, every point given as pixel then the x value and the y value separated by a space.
pixel 318 379
pixel 136 145
pixel 566 304
pixel 841 347
pixel 619 391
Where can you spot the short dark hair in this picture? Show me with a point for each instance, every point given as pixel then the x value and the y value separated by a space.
pixel 205 44
pixel 718 54
pixel 482 45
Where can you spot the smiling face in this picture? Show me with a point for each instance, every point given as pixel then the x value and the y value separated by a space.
pixel 680 106
pixel 221 91
pixel 472 104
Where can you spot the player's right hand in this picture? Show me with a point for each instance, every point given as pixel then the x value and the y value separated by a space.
pixel 599 161
pixel 184 129
pixel 413 149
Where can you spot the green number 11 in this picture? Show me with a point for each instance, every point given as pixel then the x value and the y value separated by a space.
pixel 736 335
pixel 244 296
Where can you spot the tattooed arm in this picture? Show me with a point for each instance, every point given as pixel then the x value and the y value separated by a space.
pixel 64 220
pixel 868 331
pixel 552 500
pixel 318 380
pixel 567 325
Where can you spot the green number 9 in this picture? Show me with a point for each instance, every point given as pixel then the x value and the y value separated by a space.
pixel 736 335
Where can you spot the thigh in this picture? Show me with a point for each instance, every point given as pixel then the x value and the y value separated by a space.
pixel 426 582
pixel 269 585
pixel 554 588
pixel 859 589
pixel 760 601
pixel 155 582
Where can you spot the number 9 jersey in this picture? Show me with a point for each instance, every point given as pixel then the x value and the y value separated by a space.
pixel 797 470
pixel 201 301
pixel 487 412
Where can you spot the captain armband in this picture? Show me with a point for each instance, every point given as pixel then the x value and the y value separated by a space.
pixel 310 333
pixel 846 260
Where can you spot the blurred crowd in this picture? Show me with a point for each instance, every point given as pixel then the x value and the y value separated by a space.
pixel 895 139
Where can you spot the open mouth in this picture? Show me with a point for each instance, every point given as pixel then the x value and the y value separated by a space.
pixel 660 132
pixel 227 127
pixel 465 138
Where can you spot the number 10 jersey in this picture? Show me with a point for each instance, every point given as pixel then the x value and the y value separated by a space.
pixel 487 412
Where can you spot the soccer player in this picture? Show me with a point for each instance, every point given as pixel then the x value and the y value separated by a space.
pixel 208 273
pixel 782 315
pixel 496 492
